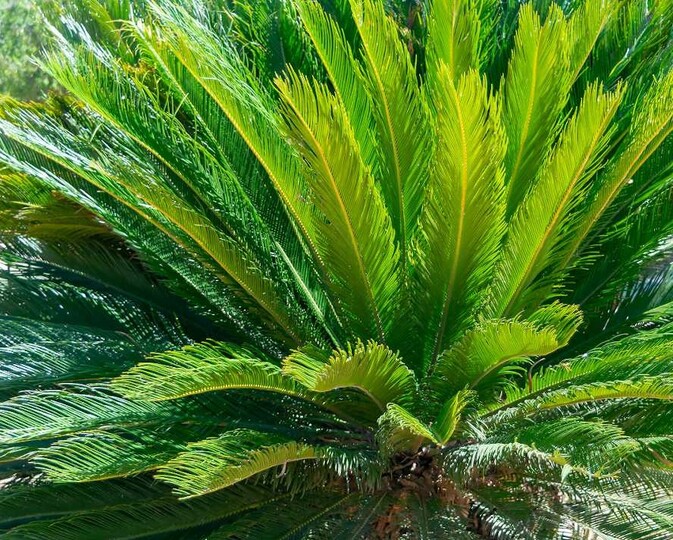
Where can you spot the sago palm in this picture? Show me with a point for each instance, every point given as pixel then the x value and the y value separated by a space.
pixel 341 269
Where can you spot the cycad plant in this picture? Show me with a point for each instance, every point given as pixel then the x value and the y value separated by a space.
pixel 341 269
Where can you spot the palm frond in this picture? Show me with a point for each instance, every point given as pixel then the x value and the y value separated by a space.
pixel 216 66
pixel 400 431
pixel 340 269
pixel 496 347
pixel 546 214
pixel 33 353
pixel 214 464
pixel 649 128
pixel 463 219
pixel 535 91
pixel 101 455
pixel 398 109
pixel 354 231
pixel 164 515
pixel 458 35
pixel 205 367
pixel 46 414
pixel 371 368
pixel 346 76
pixel 305 516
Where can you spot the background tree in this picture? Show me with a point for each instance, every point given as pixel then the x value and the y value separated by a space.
pixel 353 268
pixel 22 35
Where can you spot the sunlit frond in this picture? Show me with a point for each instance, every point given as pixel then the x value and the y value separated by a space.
pixel 338 269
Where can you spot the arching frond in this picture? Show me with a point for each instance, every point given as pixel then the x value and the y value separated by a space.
pixel 373 369
pixel 481 357
pixel 24 501
pixel 218 68
pixel 196 369
pixel 346 74
pixel 636 357
pixel 214 464
pixel 33 353
pixel 399 430
pixel 447 423
pixel 582 395
pixel 91 456
pixel 164 515
pixel 478 458
pixel 47 414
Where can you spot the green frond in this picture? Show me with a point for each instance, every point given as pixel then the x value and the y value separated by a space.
pixel 55 154
pixel 447 423
pixel 140 519
pixel 604 449
pixel 24 501
pixel 174 196
pixel 217 67
pixel 338 269
pixel 478 458
pixel 345 74
pixel 635 357
pixel 249 182
pixel 636 239
pixel 100 455
pixel 46 414
pixel 535 92
pixel 354 232
pixel 399 109
pixel 32 353
pixel 302 517
pixel 463 217
pixel 584 395
pixel 200 368
pixel 587 23
pixel 543 228
pixel 493 348
pixel 401 431
pixel 29 207
pixel 458 32
pixel 370 368
pixel 214 464
pixel 650 126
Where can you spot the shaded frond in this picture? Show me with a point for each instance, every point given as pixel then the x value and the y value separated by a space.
pixel 399 430
pixel 214 464
pixel 47 414
pixel 206 367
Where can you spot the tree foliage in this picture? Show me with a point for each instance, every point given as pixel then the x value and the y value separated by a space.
pixel 340 268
